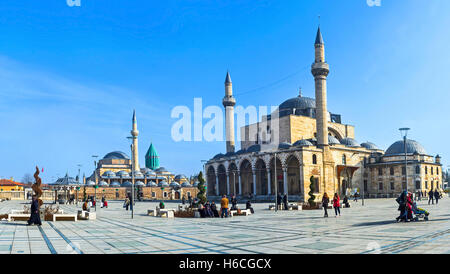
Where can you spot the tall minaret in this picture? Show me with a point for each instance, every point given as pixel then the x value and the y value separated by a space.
pixel 229 102
pixel 135 133
pixel 320 70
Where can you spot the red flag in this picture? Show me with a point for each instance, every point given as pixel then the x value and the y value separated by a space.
pixel 42 169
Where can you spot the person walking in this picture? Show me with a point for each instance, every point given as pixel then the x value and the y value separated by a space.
pixel 325 202
pixel 126 203
pixel 355 196
pixel 279 200
pixel 35 217
pixel 431 196
pixel 183 200
pixel 436 195
pixel 224 206
pixel 233 203
pixel 190 200
pixel 336 205
pixel 285 202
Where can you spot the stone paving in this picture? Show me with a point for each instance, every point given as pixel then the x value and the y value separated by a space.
pixel 360 229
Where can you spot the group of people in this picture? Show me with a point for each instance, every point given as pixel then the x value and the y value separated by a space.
pixel 433 194
pixel 336 204
pixel 405 201
pixel 209 209
pixel 283 200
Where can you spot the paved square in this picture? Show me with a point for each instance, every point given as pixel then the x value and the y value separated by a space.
pixel 360 229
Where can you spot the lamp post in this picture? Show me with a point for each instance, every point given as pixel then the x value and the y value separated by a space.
pixel 95 176
pixel 131 138
pixel 276 181
pixel 404 132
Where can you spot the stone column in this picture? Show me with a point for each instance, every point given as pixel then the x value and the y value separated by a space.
pixel 269 178
pixel 239 183
pixel 228 183
pixel 217 185
pixel 254 181
pixel 285 186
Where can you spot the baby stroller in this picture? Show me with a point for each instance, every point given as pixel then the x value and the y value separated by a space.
pixel 420 213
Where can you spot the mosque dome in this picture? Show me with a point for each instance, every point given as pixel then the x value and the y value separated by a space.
pixel 127 183
pixel 254 148
pixel 109 173
pixel 160 170
pixel 115 184
pixel 163 184
pixel 302 143
pixel 138 174
pixel 151 183
pixel 150 173
pixel 174 185
pixel 284 145
pixel 123 173
pixel 186 184
pixel 229 154
pixel 103 183
pixel 218 156
pixel 152 158
pixel 350 142
pixel 369 145
pixel 180 177
pixel 242 151
pixel 116 155
pixel 297 103
pixel 139 183
pixel 333 140
pixel 412 147
pixel 90 183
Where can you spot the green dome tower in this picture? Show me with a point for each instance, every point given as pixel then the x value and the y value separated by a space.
pixel 152 158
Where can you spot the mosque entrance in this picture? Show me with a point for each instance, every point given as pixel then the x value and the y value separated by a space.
pixel 345 176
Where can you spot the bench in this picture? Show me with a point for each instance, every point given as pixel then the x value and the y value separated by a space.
pixel 151 212
pixel 167 213
pixel 244 212
pixel 294 207
pixel 65 217
pixel 18 217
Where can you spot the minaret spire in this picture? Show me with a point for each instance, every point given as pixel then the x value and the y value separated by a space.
pixel 135 134
pixel 228 102
pixel 320 70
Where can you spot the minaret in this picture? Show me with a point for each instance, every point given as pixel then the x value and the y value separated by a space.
pixel 135 133
pixel 229 102
pixel 320 70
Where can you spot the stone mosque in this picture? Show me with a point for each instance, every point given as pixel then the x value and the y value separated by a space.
pixel 302 142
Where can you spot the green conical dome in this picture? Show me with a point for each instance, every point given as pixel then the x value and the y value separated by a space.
pixel 152 158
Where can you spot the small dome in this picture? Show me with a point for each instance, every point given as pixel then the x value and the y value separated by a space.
pixel 180 177
pixel 229 154
pixel 115 184
pixel 411 148
pixel 333 140
pixel 139 183
pixel 116 155
pixel 241 151
pixel 127 184
pixel 123 173
pixel 160 170
pixel 302 143
pixel 138 174
pixel 254 148
pixel 174 185
pixel 152 184
pixel 218 156
pixel 108 173
pixel 103 183
pixel 369 145
pixel 186 184
pixel 90 183
pixel 163 184
pixel 284 145
pixel 350 142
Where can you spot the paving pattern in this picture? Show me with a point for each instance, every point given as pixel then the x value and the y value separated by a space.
pixel 360 229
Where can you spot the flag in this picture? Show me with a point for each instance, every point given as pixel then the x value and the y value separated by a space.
pixel 42 169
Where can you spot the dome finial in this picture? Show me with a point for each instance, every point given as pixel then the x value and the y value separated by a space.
pixel 300 92
pixel 228 78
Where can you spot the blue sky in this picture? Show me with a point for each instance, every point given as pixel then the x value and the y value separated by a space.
pixel 70 77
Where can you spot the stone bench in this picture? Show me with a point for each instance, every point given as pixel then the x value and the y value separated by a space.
pixel 167 213
pixel 294 207
pixel 244 212
pixel 66 217
pixel 18 217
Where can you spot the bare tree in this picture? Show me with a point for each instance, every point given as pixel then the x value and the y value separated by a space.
pixel 27 179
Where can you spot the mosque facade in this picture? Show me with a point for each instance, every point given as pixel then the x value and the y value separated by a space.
pixel 303 144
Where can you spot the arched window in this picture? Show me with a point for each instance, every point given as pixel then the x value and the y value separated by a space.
pixel 344 159
pixel 392 171
pixel 314 159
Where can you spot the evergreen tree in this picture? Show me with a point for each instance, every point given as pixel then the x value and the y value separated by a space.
pixel 312 197
pixel 201 188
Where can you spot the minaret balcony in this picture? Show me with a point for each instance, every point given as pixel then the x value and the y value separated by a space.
pixel 228 101
pixel 320 69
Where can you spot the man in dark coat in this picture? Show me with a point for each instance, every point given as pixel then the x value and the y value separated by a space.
pixel 233 203
pixel 436 195
pixel 279 200
pixel 35 218
pixel 431 196
pixel 285 202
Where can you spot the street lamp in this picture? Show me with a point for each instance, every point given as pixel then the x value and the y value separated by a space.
pixel 131 138
pixel 276 181
pixel 95 176
pixel 404 133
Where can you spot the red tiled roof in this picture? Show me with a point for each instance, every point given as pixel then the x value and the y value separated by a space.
pixel 6 182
